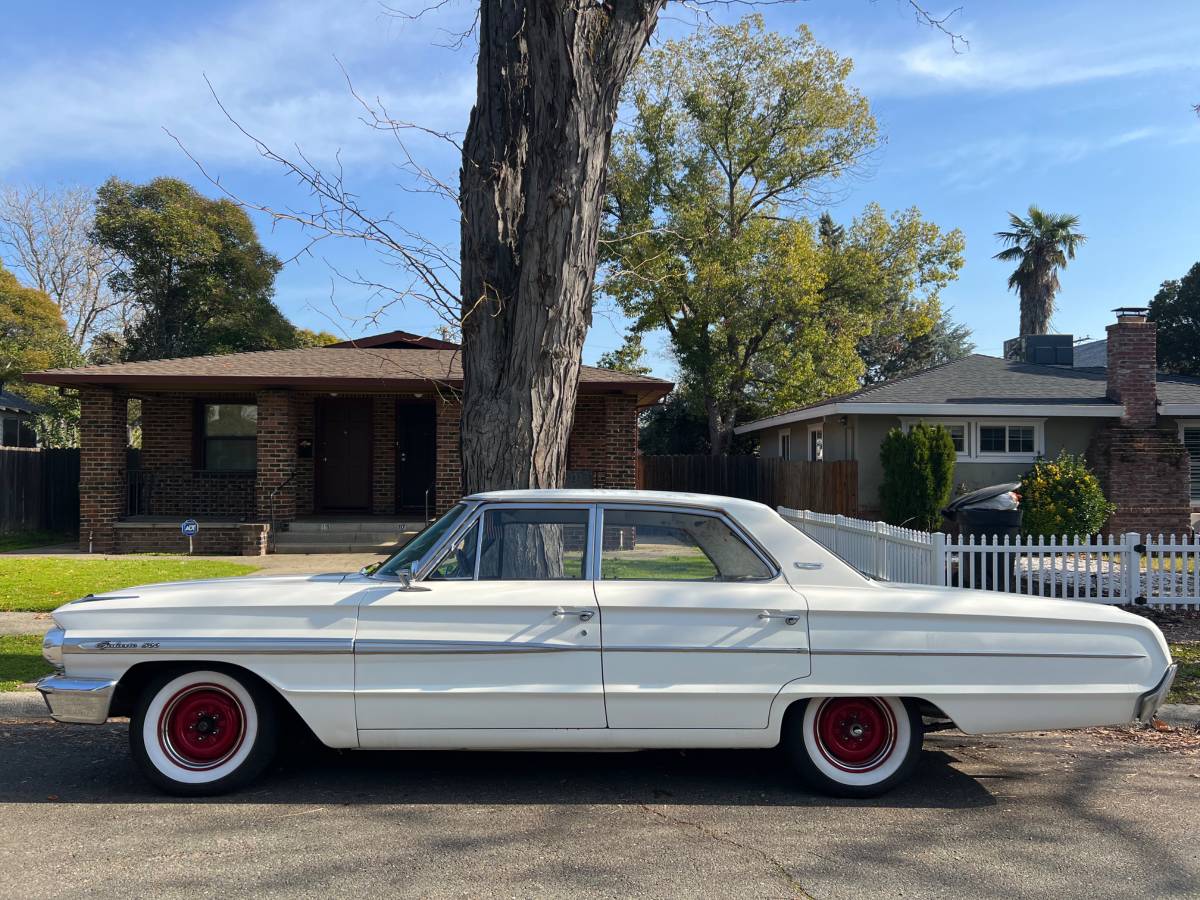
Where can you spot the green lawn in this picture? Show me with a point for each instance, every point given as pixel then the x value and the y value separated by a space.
pixel 36 584
pixel 1187 681
pixel 681 567
pixel 24 540
pixel 21 660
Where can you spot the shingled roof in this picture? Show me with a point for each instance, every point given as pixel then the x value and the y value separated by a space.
pixel 321 368
pixel 988 385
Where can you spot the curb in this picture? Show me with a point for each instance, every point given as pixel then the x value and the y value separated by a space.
pixel 22 705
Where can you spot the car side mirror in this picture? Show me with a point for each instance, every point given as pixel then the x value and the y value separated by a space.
pixel 405 576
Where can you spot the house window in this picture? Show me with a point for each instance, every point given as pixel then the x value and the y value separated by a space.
pixel 1190 435
pixel 785 443
pixel 958 434
pixel 816 444
pixel 1008 439
pixel 16 432
pixel 230 437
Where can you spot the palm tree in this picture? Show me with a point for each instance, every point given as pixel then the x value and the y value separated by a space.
pixel 1040 245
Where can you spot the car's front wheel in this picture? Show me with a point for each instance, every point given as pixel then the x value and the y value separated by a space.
pixel 854 746
pixel 202 732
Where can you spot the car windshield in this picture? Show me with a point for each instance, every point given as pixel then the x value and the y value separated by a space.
pixel 411 553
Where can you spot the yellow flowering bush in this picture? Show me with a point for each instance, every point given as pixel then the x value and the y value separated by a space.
pixel 1062 496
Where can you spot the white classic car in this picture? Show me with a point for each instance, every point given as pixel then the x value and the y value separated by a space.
pixel 592 620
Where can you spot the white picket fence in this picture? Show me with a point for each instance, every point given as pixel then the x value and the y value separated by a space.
pixel 1125 569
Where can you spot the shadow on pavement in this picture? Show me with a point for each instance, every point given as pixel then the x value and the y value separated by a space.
pixel 45 762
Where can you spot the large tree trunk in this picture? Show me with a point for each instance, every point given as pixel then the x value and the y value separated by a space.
pixel 549 80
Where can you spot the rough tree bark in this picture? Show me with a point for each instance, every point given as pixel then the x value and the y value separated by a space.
pixel 550 74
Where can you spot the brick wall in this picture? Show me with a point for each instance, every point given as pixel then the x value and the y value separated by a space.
pixel 275 485
pixel 448 482
pixel 177 487
pixel 103 437
pixel 383 489
pixel 245 539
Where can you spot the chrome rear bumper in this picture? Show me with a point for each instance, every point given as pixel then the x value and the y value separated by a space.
pixel 1150 701
pixel 84 700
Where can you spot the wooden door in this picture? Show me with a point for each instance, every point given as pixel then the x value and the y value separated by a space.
pixel 343 455
pixel 416 455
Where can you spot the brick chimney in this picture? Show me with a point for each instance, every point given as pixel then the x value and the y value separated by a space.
pixel 1132 364
pixel 1139 460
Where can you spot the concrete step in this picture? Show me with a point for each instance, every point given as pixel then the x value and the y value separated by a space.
pixel 331 547
pixel 344 537
pixel 352 526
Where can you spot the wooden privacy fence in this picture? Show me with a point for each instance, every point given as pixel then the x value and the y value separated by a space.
pixel 39 489
pixel 826 486
pixel 1162 570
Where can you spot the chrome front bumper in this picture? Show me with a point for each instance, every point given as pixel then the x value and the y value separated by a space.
pixel 83 700
pixel 1150 701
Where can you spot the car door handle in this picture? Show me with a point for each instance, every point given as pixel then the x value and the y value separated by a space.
pixel 584 614
pixel 789 618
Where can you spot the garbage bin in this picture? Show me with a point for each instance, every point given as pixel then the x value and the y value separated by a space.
pixel 987 515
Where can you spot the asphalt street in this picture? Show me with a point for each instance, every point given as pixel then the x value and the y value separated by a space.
pixel 1052 815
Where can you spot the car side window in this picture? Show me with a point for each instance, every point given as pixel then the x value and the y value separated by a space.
pixel 534 544
pixel 648 545
pixel 458 563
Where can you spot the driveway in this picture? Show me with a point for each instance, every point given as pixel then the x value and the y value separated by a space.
pixel 1082 814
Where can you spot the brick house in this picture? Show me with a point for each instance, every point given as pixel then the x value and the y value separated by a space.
pixel 1139 428
pixel 333 446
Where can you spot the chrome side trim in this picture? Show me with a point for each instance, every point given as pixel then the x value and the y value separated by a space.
pixel 81 700
pixel 668 648
pixel 220 646
pixel 383 645
pixel 999 653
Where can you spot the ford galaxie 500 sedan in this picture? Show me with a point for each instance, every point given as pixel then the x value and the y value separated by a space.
pixel 592 620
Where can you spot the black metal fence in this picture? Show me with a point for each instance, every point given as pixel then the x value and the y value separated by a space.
pixel 39 490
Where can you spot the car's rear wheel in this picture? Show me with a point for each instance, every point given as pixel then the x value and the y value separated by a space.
pixel 854 746
pixel 202 732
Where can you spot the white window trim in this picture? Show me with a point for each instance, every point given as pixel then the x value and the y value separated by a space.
pixel 973 453
pixel 785 433
pixel 968 433
pixel 808 450
pixel 1189 423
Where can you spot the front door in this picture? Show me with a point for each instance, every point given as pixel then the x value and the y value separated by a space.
pixel 416 455
pixel 504 633
pixel 699 630
pixel 343 455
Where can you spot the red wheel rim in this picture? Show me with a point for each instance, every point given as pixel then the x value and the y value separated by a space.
pixel 855 734
pixel 202 726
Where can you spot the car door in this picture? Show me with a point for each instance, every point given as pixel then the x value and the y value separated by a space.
pixel 700 628
pixel 504 632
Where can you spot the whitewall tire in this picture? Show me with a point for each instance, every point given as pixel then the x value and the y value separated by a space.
pixel 202 732
pixel 854 746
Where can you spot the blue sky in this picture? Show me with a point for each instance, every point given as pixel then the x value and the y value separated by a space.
pixel 1083 107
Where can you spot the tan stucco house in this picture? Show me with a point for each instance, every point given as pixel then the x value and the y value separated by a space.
pixel 1140 429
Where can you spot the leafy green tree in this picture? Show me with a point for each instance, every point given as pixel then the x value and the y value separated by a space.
pixel 1040 245
pixel 732 132
pixel 33 336
pixel 1062 496
pixel 892 352
pixel 629 357
pixel 918 475
pixel 892 269
pixel 1176 310
pixel 306 337
pixel 194 266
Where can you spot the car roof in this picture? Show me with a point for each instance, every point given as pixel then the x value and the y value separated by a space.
pixel 661 498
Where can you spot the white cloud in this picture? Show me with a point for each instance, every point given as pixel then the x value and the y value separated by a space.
pixel 273 66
